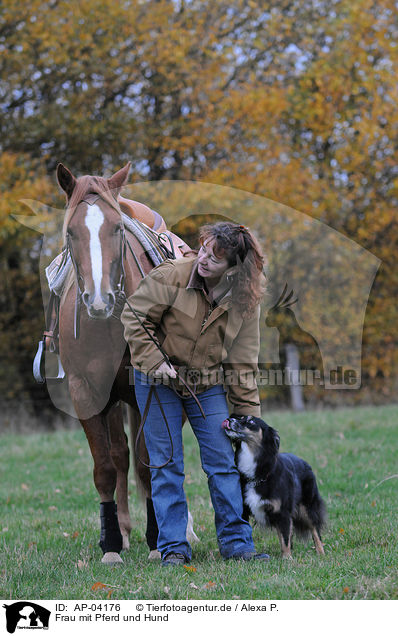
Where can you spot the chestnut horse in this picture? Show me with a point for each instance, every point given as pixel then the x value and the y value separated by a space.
pixel 92 348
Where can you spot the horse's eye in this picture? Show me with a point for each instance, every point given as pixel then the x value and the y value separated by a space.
pixel 69 232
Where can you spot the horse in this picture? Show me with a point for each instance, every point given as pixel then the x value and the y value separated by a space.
pixel 107 267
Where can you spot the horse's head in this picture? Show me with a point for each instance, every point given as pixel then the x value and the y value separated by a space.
pixel 94 235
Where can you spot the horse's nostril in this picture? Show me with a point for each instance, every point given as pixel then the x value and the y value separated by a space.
pixel 86 298
pixel 111 300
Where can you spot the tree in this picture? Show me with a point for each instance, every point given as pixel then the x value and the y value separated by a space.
pixel 293 100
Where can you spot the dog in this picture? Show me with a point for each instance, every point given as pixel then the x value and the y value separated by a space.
pixel 278 489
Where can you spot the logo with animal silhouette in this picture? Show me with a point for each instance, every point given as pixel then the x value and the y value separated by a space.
pixel 292 336
pixel 26 615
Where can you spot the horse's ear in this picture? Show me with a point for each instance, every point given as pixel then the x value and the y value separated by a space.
pixel 119 179
pixel 65 179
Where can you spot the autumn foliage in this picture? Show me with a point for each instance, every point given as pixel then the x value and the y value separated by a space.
pixel 294 101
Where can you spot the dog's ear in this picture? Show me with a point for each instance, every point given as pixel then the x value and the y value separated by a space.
pixel 275 438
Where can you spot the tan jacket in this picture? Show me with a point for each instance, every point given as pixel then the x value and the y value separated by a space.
pixel 207 345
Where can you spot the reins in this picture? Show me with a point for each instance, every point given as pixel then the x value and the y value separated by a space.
pixel 152 391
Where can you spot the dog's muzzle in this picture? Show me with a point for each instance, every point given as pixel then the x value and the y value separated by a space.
pixel 228 424
pixel 232 421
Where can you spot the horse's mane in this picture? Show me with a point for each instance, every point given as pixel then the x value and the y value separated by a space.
pixel 88 185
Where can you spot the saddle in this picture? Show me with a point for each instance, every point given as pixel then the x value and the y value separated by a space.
pixel 157 242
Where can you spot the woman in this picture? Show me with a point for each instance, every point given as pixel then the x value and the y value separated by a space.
pixel 204 312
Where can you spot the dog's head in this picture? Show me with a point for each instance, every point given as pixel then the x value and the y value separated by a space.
pixel 252 430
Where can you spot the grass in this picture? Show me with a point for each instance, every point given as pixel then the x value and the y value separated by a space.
pixel 49 524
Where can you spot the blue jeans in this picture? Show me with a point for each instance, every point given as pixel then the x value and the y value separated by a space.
pixel 234 535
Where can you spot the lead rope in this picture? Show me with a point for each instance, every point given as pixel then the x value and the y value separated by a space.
pixel 152 391
pixel 164 354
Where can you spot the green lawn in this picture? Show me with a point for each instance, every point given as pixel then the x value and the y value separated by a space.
pixel 49 524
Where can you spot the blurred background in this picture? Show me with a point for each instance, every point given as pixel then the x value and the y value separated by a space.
pixel 292 100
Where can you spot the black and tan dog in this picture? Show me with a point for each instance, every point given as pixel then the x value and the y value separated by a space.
pixel 279 489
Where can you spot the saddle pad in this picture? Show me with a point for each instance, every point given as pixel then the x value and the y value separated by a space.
pixel 58 270
pixel 57 273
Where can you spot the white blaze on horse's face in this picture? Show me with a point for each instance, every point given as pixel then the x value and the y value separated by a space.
pixel 93 221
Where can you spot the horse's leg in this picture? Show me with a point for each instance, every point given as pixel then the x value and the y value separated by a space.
pixel 105 479
pixel 143 479
pixel 121 460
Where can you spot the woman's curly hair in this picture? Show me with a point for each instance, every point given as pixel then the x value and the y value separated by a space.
pixel 240 247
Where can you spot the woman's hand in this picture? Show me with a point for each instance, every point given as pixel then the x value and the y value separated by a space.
pixel 165 370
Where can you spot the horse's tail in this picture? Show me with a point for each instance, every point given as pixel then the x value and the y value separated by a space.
pixel 141 472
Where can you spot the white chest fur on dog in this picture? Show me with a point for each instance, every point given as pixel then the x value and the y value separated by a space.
pixel 258 506
pixel 247 466
pixel 246 462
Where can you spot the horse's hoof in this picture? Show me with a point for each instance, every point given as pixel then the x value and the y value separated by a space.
pixel 111 558
pixel 154 555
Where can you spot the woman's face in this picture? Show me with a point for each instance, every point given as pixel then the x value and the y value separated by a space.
pixel 210 267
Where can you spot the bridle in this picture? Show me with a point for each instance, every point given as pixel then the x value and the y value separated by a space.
pixel 68 250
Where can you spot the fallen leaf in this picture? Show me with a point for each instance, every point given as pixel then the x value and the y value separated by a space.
pixel 75 534
pixel 209 585
pixel 190 568
pixel 373 504
pixel 98 586
pixel 109 595
pixel 346 590
pixel 341 531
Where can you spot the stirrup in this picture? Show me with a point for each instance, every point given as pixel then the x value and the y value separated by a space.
pixel 37 365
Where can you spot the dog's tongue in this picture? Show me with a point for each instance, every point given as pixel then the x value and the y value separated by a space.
pixel 225 424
